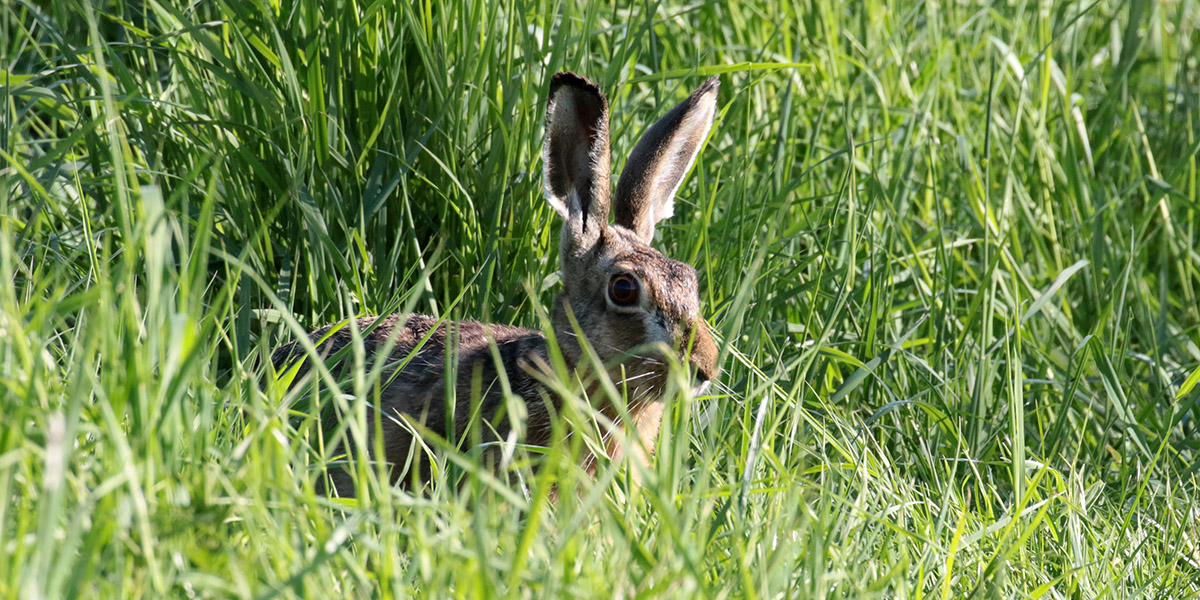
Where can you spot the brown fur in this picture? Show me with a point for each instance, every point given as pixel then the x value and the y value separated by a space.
pixel 417 389
pixel 630 340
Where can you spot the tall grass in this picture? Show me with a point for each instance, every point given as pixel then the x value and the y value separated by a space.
pixel 950 249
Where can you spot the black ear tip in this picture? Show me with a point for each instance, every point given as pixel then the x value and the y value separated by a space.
pixel 712 84
pixel 571 80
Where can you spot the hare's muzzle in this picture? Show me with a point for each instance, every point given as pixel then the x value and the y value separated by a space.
pixel 703 353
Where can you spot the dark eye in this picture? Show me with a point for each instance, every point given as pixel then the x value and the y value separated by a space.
pixel 623 290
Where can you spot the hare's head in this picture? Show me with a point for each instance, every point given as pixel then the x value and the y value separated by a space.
pixel 630 302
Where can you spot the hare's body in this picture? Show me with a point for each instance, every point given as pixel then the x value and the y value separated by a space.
pixel 418 389
pixel 631 303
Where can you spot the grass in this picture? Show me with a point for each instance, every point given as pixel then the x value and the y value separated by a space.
pixel 949 248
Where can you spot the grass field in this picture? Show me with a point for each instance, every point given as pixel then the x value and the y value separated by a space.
pixel 949 250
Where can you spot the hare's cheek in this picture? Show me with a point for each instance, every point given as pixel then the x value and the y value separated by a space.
pixel 655 328
pixel 626 331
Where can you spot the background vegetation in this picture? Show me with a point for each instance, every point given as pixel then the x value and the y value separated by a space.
pixel 950 249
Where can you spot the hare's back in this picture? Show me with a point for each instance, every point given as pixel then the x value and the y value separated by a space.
pixel 419 351
pixel 406 333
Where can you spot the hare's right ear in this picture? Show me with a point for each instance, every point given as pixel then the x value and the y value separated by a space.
pixel 646 190
pixel 576 170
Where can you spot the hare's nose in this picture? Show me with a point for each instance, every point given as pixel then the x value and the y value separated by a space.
pixel 703 356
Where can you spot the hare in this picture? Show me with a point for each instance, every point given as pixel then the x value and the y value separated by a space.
pixel 629 301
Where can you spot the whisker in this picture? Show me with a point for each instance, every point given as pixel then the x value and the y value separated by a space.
pixel 636 377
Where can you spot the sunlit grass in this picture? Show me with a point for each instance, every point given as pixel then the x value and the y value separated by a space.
pixel 950 251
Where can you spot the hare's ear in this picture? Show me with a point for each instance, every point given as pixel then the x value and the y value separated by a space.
pixel 646 190
pixel 576 170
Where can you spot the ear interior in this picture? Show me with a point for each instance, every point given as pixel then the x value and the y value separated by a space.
pixel 661 159
pixel 576 164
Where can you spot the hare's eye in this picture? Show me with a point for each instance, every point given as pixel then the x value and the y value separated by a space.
pixel 623 290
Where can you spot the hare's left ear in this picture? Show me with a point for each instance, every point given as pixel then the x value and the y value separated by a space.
pixel 646 190
pixel 575 164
